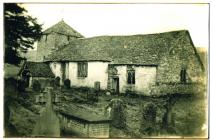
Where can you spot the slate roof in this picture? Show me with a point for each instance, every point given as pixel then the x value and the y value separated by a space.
pixel 134 49
pixel 39 69
pixel 84 115
pixel 63 28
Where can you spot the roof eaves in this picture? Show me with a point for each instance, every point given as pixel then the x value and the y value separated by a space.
pixel 84 119
pixel 134 64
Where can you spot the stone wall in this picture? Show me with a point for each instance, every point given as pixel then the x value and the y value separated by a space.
pixel 74 126
pixel 99 130
pixel 78 127
pixel 49 43
pixel 85 129
pixel 181 55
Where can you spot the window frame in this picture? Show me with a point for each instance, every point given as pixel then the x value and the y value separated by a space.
pixel 132 78
pixel 82 66
pixel 183 75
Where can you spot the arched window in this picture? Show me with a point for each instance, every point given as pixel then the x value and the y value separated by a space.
pixel 130 76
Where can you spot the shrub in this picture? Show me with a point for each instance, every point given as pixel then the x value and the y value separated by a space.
pixel 118 113
pixel 67 83
pixel 57 81
pixel 164 89
pixel 36 86
pixel 149 113
pixel 148 120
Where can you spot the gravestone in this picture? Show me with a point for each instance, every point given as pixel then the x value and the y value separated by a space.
pixel 97 86
pixel 37 98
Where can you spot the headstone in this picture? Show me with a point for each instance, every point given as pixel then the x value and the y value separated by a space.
pixel 41 99
pixel 97 86
pixel 56 99
pixel 108 111
pixel 49 89
pixel 45 90
pixel 108 93
pixel 37 98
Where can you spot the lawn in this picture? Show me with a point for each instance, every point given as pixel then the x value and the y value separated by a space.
pixel 175 115
pixel 20 112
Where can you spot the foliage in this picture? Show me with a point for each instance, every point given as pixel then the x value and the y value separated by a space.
pixel 21 31
pixel 10 87
pixel 148 123
pixel 164 89
pixel 149 113
pixel 118 114
pixel 21 119
pixel 172 116
pixel 36 86
pixel 67 83
pixel 189 116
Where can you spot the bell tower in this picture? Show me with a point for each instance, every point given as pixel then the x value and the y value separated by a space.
pixel 54 39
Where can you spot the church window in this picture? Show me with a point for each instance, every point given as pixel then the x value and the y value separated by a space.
pixel 82 69
pixel 183 75
pixel 131 76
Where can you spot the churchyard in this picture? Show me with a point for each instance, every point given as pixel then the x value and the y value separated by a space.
pixel 132 116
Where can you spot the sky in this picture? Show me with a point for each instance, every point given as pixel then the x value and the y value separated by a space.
pixel 126 19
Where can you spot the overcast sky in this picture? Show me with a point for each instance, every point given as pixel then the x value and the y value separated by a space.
pixel 126 19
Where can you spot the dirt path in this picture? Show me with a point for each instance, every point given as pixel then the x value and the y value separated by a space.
pixel 47 124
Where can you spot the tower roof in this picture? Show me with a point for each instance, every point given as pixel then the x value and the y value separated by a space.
pixel 62 28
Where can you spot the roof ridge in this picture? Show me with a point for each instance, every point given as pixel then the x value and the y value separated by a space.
pixel 51 26
pixel 175 31
pixel 137 49
pixel 69 30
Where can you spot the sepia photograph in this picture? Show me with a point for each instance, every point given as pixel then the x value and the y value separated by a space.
pixel 105 70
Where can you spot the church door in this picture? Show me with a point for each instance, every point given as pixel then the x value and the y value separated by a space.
pixel 116 85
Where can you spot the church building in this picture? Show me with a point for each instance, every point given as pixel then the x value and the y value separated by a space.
pixel 135 63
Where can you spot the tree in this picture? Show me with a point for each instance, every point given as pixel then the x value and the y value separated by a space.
pixel 20 32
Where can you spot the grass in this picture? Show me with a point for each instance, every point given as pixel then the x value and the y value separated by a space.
pixel 187 112
pixel 180 124
pixel 177 88
pixel 20 112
